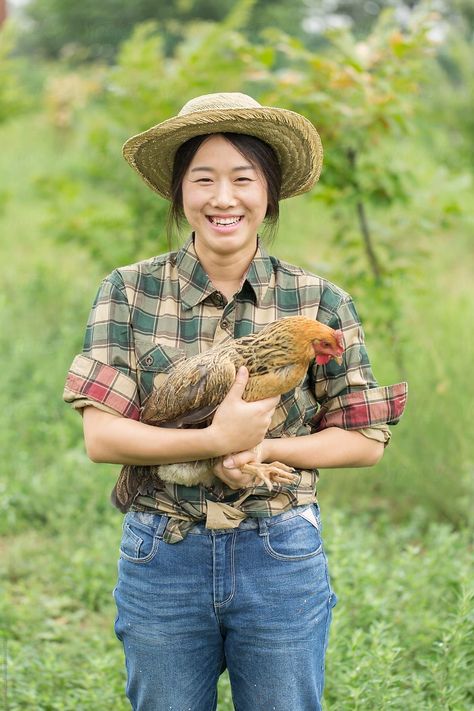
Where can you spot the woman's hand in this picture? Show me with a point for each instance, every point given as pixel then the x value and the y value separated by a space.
pixel 227 468
pixel 239 426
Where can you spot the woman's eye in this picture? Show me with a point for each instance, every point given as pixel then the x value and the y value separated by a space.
pixel 243 179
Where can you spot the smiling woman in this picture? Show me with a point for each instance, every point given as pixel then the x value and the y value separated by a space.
pixel 226 573
pixel 225 203
pixel 260 164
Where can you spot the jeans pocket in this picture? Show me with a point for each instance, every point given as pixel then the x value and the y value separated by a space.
pixel 139 542
pixel 296 538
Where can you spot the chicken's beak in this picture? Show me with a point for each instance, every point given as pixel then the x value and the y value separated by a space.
pixel 338 359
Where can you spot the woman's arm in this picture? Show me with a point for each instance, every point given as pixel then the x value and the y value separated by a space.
pixel 331 448
pixel 237 425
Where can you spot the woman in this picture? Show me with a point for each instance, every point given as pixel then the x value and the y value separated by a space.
pixel 232 575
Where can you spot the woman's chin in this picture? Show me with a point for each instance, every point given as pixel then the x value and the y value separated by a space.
pixel 225 243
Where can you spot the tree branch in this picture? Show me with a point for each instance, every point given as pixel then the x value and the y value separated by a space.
pixel 363 222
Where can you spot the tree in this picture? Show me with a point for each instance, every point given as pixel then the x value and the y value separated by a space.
pixel 3 11
pixel 94 30
pixel 13 99
pixel 362 96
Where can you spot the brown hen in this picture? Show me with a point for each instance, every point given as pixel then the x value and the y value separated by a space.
pixel 277 358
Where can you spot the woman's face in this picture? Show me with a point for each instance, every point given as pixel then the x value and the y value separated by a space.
pixel 224 198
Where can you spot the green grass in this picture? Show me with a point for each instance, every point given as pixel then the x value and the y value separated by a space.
pixel 401 636
pixel 398 535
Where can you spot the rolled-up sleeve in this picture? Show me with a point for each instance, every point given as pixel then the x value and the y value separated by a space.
pixel 104 374
pixel 348 395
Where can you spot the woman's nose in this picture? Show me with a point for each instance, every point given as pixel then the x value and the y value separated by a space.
pixel 223 195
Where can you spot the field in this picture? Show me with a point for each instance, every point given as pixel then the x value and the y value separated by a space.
pixel 398 536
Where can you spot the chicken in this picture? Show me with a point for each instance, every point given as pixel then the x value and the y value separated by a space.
pixel 277 358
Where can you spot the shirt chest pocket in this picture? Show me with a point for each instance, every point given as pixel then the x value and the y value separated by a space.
pixel 154 363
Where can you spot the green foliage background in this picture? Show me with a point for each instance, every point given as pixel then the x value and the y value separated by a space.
pixel 390 221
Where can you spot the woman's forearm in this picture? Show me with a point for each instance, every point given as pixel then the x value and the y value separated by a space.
pixel 119 440
pixel 330 448
pixel 236 425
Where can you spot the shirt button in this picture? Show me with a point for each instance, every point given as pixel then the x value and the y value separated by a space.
pixel 149 360
pixel 224 323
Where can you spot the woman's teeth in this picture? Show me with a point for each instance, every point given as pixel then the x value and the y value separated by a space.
pixel 224 220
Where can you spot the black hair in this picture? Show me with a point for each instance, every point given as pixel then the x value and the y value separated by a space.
pixel 258 152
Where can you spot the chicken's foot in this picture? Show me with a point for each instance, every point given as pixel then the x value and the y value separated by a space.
pixel 269 474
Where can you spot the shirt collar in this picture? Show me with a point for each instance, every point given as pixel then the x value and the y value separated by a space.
pixel 259 273
pixel 195 285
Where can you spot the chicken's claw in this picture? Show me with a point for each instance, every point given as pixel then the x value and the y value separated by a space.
pixel 269 474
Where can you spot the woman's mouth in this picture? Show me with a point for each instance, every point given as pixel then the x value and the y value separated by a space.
pixel 225 224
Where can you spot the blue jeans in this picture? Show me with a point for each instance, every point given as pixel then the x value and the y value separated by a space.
pixel 255 599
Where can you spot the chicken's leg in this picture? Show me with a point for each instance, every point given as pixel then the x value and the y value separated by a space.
pixel 273 473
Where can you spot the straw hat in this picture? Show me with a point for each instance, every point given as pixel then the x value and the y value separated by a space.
pixel 293 138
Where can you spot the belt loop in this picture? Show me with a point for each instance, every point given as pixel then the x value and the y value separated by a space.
pixel 162 526
pixel 262 527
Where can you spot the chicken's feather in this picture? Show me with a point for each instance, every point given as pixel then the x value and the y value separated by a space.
pixel 194 389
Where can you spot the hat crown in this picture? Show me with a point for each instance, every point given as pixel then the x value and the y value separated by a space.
pixel 222 101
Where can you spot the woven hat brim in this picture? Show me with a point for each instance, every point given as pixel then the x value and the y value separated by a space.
pixel 294 139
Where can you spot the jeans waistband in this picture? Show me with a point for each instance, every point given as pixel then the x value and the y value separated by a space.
pixel 252 522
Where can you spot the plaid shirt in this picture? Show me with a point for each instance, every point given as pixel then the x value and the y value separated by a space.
pixel 150 315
